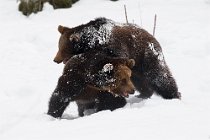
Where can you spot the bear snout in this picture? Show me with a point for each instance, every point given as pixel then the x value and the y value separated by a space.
pixel 56 61
pixel 58 58
pixel 132 91
pixel 127 93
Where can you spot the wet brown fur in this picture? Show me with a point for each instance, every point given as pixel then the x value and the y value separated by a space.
pixel 132 42
pixel 75 84
pixel 149 74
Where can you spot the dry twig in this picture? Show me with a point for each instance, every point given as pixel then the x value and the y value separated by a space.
pixel 155 19
pixel 126 17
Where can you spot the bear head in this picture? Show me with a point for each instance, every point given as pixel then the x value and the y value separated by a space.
pixel 123 85
pixel 65 48
pixel 115 77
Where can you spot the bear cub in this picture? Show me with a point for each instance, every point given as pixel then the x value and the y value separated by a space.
pixel 90 79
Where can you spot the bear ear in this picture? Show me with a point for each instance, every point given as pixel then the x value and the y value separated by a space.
pixel 74 37
pixel 62 29
pixel 130 63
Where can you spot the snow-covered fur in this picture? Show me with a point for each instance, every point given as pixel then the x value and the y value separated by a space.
pixel 90 79
pixel 150 74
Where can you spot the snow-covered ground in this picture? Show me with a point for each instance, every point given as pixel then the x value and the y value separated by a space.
pixel 28 74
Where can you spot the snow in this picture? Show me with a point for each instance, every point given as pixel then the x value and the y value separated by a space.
pixel 159 54
pixel 102 35
pixel 107 67
pixel 29 75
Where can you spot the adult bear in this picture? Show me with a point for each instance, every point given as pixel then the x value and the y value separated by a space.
pixel 150 73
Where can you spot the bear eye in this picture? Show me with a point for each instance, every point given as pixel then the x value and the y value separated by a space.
pixel 124 81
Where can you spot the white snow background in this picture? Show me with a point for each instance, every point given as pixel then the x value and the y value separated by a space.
pixel 28 74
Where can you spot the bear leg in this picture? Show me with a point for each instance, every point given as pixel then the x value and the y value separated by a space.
pixel 107 101
pixel 81 109
pixel 57 105
pixel 65 91
pixel 84 106
pixel 166 87
pixel 161 80
pixel 158 75
pixel 142 85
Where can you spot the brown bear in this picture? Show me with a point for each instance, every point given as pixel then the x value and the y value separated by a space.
pixel 91 77
pixel 150 74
